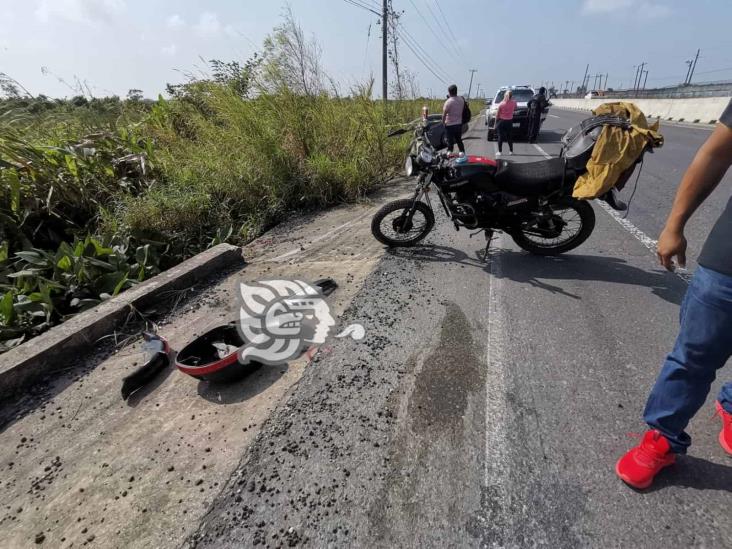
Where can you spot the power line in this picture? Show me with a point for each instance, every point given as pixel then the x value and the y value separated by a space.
pixel 416 43
pixel 449 28
pixel 421 60
pixel 368 39
pixel 442 30
pixel 428 24
pixel 358 4
pixel 423 57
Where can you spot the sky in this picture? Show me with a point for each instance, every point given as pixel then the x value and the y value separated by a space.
pixel 112 46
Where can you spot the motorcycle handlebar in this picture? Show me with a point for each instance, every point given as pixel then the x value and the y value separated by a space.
pixel 394 133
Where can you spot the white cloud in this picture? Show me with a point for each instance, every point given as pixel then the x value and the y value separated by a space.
pixel 175 21
pixel 79 11
pixel 605 6
pixel 208 24
pixel 654 11
pixel 170 50
pixel 230 31
pixel 644 8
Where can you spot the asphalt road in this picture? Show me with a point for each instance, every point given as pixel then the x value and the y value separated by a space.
pixel 489 401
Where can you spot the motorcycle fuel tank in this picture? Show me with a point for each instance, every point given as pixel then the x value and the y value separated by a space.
pixel 479 170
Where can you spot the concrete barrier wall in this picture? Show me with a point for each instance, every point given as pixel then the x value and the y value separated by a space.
pixel 704 110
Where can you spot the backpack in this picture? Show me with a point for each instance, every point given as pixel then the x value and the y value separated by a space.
pixel 467 115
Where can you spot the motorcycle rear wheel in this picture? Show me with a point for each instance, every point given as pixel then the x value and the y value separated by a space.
pixel 401 230
pixel 584 216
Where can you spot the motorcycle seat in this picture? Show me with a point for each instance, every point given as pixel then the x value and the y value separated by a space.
pixel 532 178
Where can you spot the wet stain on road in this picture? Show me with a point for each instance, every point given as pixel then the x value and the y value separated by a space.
pixel 448 376
pixel 434 456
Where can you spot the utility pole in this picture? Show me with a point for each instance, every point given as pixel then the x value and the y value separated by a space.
pixel 638 69
pixel 645 80
pixel 470 87
pixel 477 90
pixel 384 46
pixel 605 88
pixel 689 63
pixel 639 75
pixel 693 67
pixel 585 76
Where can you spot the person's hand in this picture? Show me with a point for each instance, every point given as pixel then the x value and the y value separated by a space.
pixel 672 242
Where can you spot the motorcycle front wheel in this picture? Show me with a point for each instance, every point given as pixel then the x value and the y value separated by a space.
pixel 569 225
pixel 402 223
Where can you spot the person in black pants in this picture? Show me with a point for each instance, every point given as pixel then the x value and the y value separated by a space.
pixel 452 117
pixel 536 108
pixel 504 122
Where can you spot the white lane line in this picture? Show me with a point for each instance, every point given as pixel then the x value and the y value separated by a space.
pixel 644 239
pixel 553 115
pixel 496 463
pixel 542 151
pixel 332 232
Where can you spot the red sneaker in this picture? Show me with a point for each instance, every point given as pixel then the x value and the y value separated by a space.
pixel 641 464
pixel 725 435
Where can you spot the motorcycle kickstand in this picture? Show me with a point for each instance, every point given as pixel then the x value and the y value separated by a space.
pixel 489 234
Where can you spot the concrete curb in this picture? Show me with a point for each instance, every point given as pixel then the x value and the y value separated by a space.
pixel 52 350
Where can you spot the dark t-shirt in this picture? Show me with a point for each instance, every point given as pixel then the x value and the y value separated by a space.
pixel 717 251
pixel 537 104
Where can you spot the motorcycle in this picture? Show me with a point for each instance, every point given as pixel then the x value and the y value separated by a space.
pixel 531 202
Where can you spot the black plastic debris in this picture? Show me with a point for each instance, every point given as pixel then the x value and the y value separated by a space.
pixel 157 351
pixel 326 285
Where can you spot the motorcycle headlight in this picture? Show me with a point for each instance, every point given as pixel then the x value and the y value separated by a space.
pixel 425 157
pixel 409 166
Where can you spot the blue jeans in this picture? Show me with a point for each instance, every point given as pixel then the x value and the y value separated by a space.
pixel 703 346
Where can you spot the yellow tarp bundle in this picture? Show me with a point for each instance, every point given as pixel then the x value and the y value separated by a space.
pixel 616 149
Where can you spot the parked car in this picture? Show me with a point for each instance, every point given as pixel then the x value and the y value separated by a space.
pixel 522 95
pixel 592 94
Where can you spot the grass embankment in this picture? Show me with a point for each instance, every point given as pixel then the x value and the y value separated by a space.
pixel 97 195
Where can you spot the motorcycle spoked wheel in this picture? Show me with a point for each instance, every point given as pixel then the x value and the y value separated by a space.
pixel 571 223
pixel 392 225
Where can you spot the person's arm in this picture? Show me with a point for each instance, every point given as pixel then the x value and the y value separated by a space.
pixel 444 111
pixel 701 178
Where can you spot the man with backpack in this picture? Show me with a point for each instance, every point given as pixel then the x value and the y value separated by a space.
pixel 455 113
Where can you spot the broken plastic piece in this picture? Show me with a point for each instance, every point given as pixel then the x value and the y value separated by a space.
pixel 326 285
pixel 156 348
pixel 214 356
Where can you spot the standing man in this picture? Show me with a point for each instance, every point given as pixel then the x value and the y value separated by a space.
pixel 704 342
pixel 452 117
pixel 537 104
